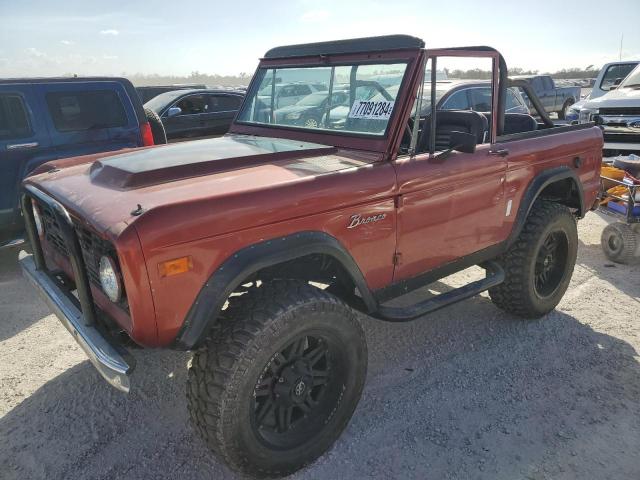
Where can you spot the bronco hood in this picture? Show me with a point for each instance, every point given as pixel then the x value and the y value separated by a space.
pixel 111 191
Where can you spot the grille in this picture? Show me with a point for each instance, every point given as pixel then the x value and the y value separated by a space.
pixel 619 111
pixel 92 250
pixel 621 138
pixel 52 231
pixel 92 246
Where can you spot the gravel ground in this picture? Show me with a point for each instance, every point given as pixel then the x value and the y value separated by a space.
pixel 469 392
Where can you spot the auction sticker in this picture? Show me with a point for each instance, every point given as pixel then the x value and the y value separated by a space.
pixel 372 109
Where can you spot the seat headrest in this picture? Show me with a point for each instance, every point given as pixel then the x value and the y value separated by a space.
pixel 518 123
pixel 448 121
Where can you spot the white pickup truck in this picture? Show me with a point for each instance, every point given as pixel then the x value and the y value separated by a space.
pixel 618 112
pixel 610 76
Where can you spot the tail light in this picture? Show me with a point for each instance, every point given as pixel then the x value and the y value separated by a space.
pixel 147 135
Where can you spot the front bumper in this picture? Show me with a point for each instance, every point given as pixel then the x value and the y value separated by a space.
pixel 107 358
pixel 76 312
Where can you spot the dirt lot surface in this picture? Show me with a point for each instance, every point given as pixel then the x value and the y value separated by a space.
pixel 467 393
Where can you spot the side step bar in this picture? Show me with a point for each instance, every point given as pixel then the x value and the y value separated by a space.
pixel 495 276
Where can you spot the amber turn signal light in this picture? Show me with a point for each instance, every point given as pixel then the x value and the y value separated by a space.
pixel 175 266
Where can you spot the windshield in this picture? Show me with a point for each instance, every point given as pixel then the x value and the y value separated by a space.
pixel 159 102
pixel 633 80
pixel 347 98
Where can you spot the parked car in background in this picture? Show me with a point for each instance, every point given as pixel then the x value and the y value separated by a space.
pixel 149 92
pixel 289 93
pixel 553 98
pixel 47 119
pixel 471 95
pixel 309 111
pixel 196 113
pixel 611 75
pixel 618 112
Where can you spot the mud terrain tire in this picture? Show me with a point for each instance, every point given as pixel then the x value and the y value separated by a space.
pixel 278 381
pixel 539 264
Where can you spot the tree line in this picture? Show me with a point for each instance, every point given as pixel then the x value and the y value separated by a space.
pixel 244 78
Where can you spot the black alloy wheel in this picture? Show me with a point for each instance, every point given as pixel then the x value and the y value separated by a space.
pixel 297 391
pixel 551 263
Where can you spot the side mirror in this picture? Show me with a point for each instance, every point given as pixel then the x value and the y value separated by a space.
pixel 462 142
pixel 173 111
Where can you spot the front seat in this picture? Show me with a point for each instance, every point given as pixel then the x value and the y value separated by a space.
pixel 448 121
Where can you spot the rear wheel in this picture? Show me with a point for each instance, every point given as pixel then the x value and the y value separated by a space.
pixel 157 128
pixel 562 114
pixel 620 243
pixel 279 382
pixel 539 265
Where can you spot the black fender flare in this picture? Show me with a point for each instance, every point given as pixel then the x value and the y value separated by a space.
pixel 535 188
pixel 248 260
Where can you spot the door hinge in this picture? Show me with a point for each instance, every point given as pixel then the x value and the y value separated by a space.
pixel 397 258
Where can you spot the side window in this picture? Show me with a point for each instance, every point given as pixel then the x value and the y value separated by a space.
pixel 512 100
pixel 339 98
pixel 14 122
pixel 536 84
pixel 615 74
pixel 461 120
pixel 548 83
pixel 193 105
pixel 457 101
pixel 86 110
pixel 223 103
pixel 480 99
pixel 288 91
pixel 302 90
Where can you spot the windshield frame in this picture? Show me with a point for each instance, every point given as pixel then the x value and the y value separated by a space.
pixel 360 141
pixel 635 72
pixel 258 77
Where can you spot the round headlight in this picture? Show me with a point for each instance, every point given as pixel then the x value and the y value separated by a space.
pixel 37 219
pixel 109 279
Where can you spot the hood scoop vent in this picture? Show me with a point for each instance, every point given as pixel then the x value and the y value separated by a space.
pixel 151 166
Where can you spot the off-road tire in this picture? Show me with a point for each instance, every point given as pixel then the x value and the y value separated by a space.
pixel 519 293
pixel 226 371
pixel 157 128
pixel 620 243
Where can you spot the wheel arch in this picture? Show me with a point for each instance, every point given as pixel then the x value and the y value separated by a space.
pixel 244 263
pixel 560 184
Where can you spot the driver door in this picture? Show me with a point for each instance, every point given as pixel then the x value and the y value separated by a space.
pixel 450 204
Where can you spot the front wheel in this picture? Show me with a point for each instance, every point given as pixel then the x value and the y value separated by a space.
pixel 311 123
pixel 278 384
pixel 539 264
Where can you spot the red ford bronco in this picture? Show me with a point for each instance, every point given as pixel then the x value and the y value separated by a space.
pixel 258 250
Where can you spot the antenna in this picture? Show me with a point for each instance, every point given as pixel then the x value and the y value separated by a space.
pixel 621 39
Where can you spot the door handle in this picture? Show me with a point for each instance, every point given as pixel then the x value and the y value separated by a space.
pixel 22 146
pixel 500 152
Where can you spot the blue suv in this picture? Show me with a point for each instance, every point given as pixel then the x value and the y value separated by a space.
pixel 47 119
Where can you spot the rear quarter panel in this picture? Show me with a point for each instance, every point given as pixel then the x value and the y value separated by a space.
pixel 530 157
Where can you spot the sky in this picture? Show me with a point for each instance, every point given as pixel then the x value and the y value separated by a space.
pixel 168 37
